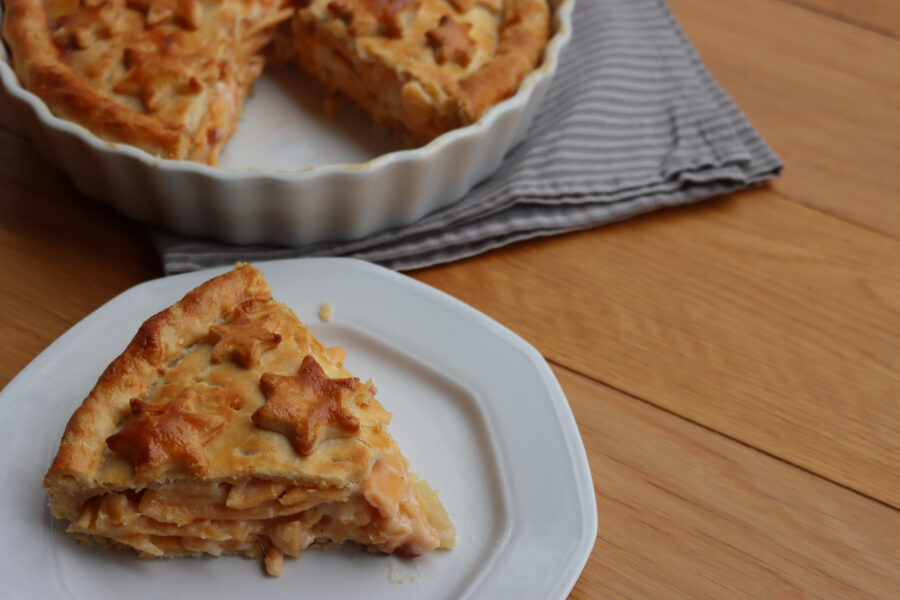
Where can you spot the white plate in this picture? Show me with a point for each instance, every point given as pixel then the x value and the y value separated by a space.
pixel 290 176
pixel 476 410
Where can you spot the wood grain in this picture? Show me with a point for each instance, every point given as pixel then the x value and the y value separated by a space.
pixel 877 15
pixel 61 255
pixel 7 118
pixel 686 513
pixel 755 316
pixel 824 94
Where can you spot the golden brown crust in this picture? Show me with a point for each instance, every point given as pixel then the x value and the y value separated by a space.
pixel 226 427
pixel 300 406
pixel 165 437
pixel 523 35
pixel 37 63
pixel 172 354
pixel 160 339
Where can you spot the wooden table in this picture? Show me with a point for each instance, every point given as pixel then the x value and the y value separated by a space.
pixel 734 366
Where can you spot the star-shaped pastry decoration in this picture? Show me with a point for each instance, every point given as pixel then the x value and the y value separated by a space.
pixel 373 17
pixel 300 406
pixel 462 6
pixel 245 339
pixel 342 9
pixel 161 12
pixel 158 74
pixel 451 41
pixel 79 30
pixel 166 437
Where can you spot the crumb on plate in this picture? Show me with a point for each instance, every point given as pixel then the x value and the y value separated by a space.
pixel 325 312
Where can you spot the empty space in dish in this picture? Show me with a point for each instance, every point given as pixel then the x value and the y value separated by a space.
pixel 285 125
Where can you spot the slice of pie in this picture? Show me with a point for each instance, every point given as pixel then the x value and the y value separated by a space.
pixel 167 76
pixel 225 427
pixel 421 67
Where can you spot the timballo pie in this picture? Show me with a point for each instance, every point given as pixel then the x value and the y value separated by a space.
pixel 170 76
pixel 225 427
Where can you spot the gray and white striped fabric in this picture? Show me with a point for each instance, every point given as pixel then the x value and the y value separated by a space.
pixel 633 122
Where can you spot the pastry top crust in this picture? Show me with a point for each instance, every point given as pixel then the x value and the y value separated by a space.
pixel 181 402
pixel 459 55
pixel 522 36
pixel 166 76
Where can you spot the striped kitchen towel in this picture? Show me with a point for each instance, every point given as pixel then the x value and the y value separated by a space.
pixel 633 122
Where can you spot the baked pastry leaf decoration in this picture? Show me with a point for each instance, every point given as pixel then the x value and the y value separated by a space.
pixel 300 406
pixel 450 41
pixel 245 339
pixel 166 437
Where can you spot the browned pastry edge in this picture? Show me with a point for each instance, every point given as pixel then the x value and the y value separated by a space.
pixel 37 63
pixel 159 340
pixel 523 37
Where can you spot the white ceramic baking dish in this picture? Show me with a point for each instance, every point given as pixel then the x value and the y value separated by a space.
pixel 289 176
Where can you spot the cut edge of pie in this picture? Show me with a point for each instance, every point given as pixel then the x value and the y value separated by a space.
pixel 226 427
